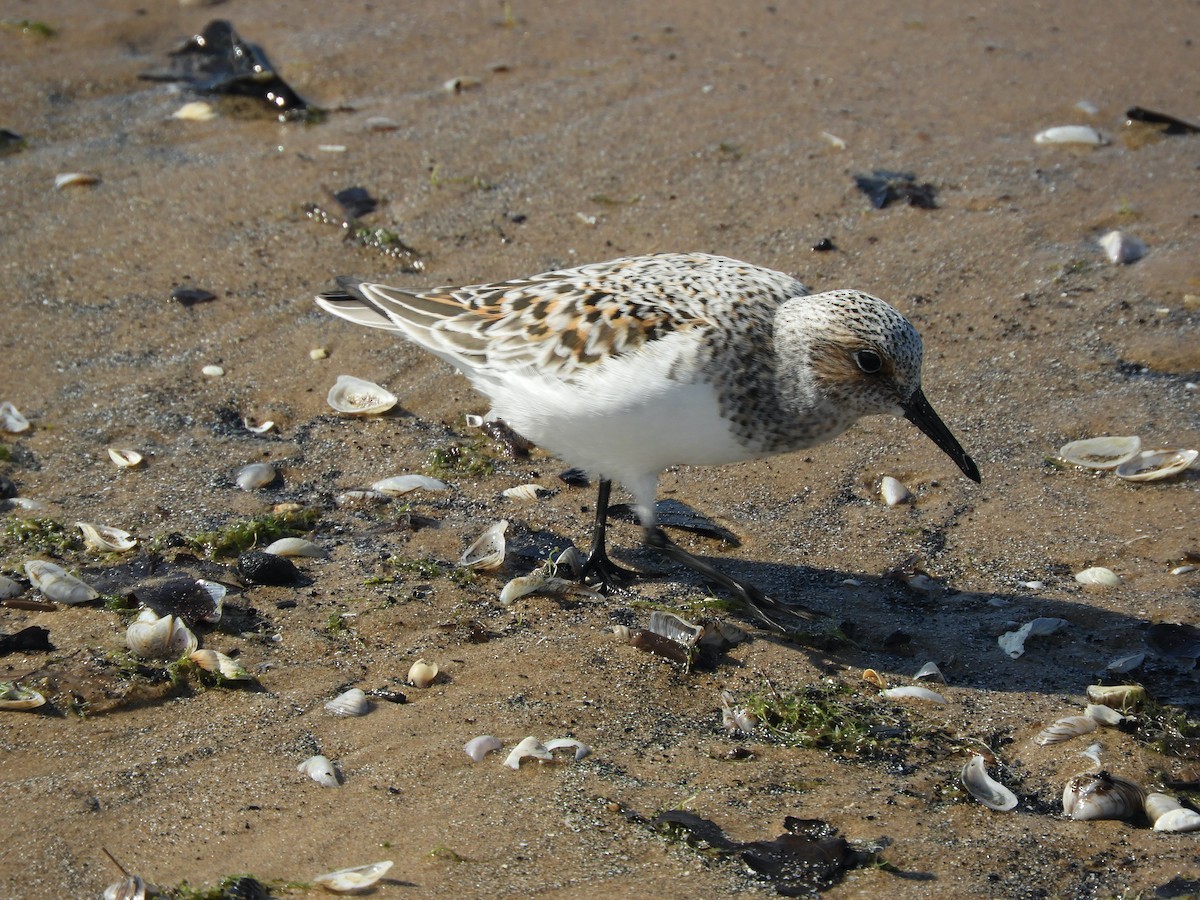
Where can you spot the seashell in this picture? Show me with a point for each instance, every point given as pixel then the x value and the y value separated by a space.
pixel 486 553
pixel 220 664
pixel 1123 697
pixel 913 691
pixel 356 878
pixel 75 179
pixel 422 674
pixel 478 748
pixel 152 637
pixel 357 397
pixel 571 560
pixel 1065 729
pixel 255 427
pixel 320 770
pixel 318 353
pixel 581 749
pixel 1152 465
pixel 1183 570
pixel 522 585
pixel 1101 452
pixel 193 600
pixel 1093 753
pixel 735 719
pixel 623 633
pixel 1070 134
pixel 257 567
pixel 675 629
pixel 531 746
pixel 1099 795
pixel 1013 642
pixel 126 459
pixel 351 703
pixel 361 498
pixel 1168 814
pixel 16 696
pixel 1098 575
pixel 984 788
pixel 105 538
pixel 1121 248
pixel 9 588
pixel 870 676
pixel 57 584
pixel 295 547
pixel 381 123
pixel 893 492
pixel 930 672
pixel 526 492
pixel 1104 715
pixel 196 111
pixel 402 484
pixel 26 503
pixel 131 887
pixel 1123 664
pixel 255 475
pixel 460 84
pixel 11 419
pixel 212 371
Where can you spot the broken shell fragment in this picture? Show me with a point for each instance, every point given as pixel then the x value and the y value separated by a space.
pixel 57 584
pixel 353 702
pixel 526 492
pixel 1070 134
pixel 1064 729
pixel 478 748
pixel 1101 452
pixel 295 547
pixel 11 419
pixel 1099 795
pixel 212 371
pixel 675 629
pixel 914 692
pixel 403 484
pixel 126 459
pixel 1098 575
pixel 1123 697
pixel 16 696
pixel 1152 465
pixel 486 553
pixel 735 719
pixel 1122 248
pixel 320 770
pixel 538 581
pixel 1013 642
pixel 581 749
pixel 131 887
pixel 196 111
pixel 105 538
pixel 893 492
pixel 152 637
pixel 930 672
pixel 75 179
pixel 356 878
pixel 255 476
pixel 1104 715
pixel 531 746
pixel 1168 814
pixel 984 788
pixel 219 664
pixel 422 674
pixel 358 397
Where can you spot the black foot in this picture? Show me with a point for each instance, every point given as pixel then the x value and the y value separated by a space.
pixel 601 572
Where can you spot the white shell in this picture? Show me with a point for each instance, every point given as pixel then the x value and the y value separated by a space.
pixel 131 887
pixel 1168 814
pixel 254 476
pixel 1098 575
pixel 361 498
pixel 11 419
pixel 1013 642
pixel 212 371
pixel 151 637
pixel 531 746
pixel 73 179
pixel 402 484
pixel 913 691
pixel 1104 715
pixel 893 492
pixel 1065 729
pixel 1099 795
pixel 1100 452
pixel 736 719
pixel 1070 134
pixel 218 662
pixel 581 749
pixel 486 553
pixel 351 703
pixel 526 492
pixel 126 459
pixel 1122 697
pixel 673 628
pixel 320 770
pixel 422 674
pixel 345 881
pixel 217 592
pixel 478 748
pixel 318 353
pixel 15 696
pixel 196 111
pixel 57 584
pixel 295 547
pixel 930 672
pixel 1151 465
pixel 522 585
pixel 105 538
pixel 357 397
pixel 1120 247
pixel 571 560
pixel 255 427
pixel 984 788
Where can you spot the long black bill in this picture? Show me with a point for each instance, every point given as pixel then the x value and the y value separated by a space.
pixel 918 411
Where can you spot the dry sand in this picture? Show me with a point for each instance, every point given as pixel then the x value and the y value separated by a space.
pixel 598 129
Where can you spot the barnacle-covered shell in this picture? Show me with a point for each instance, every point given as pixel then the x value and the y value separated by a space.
pixel 1123 697
pixel 984 788
pixel 486 553
pixel 403 484
pixel 353 702
pixel 105 538
pixel 126 459
pixel 320 770
pixel 914 692
pixel 16 696
pixel 531 746
pixel 357 397
pixel 255 476
pixel 1098 575
pixel 893 492
pixel 1099 795
pixel 1152 465
pixel 152 637
pixel 1070 134
pixel 1064 729
pixel 1120 247
pixel 422 674
pixel 1100 452
pixel 217 662
pixel 11 419
pixel 57 584
pixel 291 546
pixel 579 747
pixel 356 878
pixel 479 747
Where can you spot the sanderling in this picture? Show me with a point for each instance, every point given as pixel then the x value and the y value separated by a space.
pixel 626 367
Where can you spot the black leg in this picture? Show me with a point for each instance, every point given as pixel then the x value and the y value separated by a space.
pixel 754 599
pixel 607 573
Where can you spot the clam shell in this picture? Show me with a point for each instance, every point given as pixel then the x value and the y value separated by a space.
pixel 75 179
pixel 872 676
pixel 893 492
pixel 57 584
pixel 526 492
pixel 1100 452
pixel 11 419
pixel 126 459
pixel 486 553
pixel 403 484
pixel 152 637
pixel 217 662
pixel 1098 575
pixel 422 674
pixel 356 878
pixel 295 547
pixel 131 887
pixel 1152 465
pixel 1065 729
pixel 1070 134
pixel 196 111
pixel 1104 715
pixel 361 498
pixel 531 746
pixel 320 770
pixel 734 719
pixel 522 585
pixel 1013 642
pixel 212 371
pixel 105 538
pixel 912 691
pixel 984 788
pixel 579 747
pixel 255 475
pixel 478 748
pixel 1099 795
pixel 1168 814
pixel 930 672
pixel 353 702
pixel 256 427
pixel 1121 248
pixel 1123 697
pixel 673 628
pixel 356 397
pixel 16 696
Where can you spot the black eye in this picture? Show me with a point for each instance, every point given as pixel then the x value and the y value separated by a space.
pixel 869 361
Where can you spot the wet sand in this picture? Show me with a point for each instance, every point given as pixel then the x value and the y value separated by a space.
pixel 596 130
